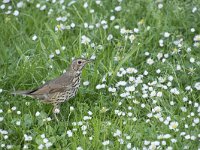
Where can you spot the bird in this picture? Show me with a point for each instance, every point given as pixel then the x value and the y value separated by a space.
pixel 60 89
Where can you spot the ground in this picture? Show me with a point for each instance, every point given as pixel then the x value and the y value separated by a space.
pixel 142 90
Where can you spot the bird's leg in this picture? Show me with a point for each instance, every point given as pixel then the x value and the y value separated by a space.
pixel 56 117
pixel 56 110
pixel 68 118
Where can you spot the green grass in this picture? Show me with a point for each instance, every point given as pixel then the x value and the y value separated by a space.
pixel 25 64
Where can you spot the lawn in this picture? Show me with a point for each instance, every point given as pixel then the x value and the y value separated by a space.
pixel 142 90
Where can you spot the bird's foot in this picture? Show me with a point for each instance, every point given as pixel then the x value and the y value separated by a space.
pixel 55 116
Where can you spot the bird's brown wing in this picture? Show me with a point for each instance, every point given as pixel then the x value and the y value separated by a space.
pixel 60 84
pixel 48 89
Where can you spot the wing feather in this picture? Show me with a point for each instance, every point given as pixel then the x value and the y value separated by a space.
pixel 60 84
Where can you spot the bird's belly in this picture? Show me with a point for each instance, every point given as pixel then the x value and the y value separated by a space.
pixel 60 97
pixel 73 92
pixel 67 95
pixel 75 87
pixel 63 96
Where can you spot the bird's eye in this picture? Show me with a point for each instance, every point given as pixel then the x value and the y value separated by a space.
pixel 79 62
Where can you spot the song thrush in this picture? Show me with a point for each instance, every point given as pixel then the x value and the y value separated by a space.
pixel 60 89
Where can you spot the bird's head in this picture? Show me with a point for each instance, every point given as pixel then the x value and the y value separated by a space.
pixel 78 64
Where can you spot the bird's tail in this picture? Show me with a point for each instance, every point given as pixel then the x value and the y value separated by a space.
pixel 24 93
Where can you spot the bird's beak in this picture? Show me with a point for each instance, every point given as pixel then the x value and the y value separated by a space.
pixel 89 61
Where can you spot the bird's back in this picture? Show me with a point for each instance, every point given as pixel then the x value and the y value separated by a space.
pixel 55 85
